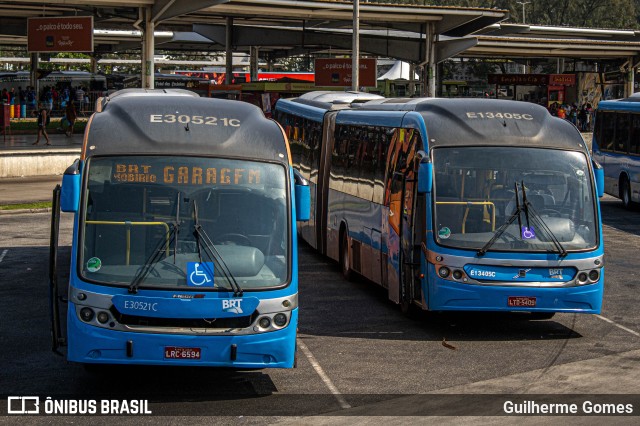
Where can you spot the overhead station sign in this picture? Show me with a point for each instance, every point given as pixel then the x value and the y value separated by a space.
pixel 533 79
pixel 60 34
pixel 337 72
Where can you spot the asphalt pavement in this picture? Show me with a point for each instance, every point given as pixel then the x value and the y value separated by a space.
pixel 30 189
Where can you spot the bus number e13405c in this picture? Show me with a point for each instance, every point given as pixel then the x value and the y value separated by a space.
pixel 500 115
pixel 194 119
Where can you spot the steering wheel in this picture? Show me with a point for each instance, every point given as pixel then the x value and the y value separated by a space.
pixel 239 239
pixel 169 265
pixel 550 212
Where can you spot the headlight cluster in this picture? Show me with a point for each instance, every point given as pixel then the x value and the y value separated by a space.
pixel 588 277
pixel 456 274
pixel 88 314
pixel 271 322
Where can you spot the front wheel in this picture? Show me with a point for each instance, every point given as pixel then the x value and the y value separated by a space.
pixel 625 193
pixel 345 259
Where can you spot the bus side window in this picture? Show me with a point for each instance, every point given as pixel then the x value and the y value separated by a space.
pixel 634 143
pixel 622 133
pixel 607 127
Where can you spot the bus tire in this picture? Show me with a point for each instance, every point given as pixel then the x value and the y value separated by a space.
pixel 541 315
pixel 345 257
pixel 409 309
pixel 625 192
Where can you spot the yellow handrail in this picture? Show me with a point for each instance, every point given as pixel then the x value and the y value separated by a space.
pixel 475 203
pixel 128 232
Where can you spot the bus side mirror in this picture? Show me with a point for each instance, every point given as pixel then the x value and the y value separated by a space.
pixel 70 193
pixel 598 173
pixel 303 197
pixel 425 178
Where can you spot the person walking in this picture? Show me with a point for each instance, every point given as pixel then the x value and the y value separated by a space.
pixel 71 115
pixel 43 120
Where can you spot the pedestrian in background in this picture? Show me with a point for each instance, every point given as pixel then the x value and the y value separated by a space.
pixel 70 115
pixel 43 120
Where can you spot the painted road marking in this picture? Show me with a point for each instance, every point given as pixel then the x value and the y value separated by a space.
pixel 327 381
pixel 635 333
pixel 4 253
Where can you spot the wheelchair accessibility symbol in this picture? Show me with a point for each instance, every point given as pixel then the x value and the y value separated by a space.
pixel 528 233
pixel 200 274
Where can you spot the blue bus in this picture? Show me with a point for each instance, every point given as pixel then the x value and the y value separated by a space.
pixel 452 204
pixel 184 248
pixel 616 145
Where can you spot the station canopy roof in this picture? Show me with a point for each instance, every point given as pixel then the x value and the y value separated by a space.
pixel 283 28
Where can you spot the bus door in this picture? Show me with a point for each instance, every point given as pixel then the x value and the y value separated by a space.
pixel 56 299
pixel 322 186
pixel 403 232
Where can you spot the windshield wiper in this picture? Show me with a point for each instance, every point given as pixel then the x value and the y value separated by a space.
pixel 202 239
pixel 176 226
pixel 541 223
pixel 530 214
pixel 503 228
pixel 149 263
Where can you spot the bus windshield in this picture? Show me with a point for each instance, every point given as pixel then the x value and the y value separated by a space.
pixel 475 193
pixel 141 213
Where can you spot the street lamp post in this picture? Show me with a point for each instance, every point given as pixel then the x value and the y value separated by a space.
pixel 523 3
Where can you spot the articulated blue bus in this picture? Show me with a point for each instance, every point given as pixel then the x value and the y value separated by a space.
pixel 184 248
pixel 616 145
pixel 452 204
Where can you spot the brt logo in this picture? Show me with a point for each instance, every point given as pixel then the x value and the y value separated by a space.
pixel 232 305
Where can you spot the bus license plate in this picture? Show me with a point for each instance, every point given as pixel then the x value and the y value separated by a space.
pixel 171 352
pixel 521 301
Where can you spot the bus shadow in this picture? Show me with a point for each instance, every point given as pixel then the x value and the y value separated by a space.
pixel 189 391
pixel 372 316
pixel 172 383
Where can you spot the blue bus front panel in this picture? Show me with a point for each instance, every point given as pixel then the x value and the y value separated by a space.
pixel 90 344
pixel 447 295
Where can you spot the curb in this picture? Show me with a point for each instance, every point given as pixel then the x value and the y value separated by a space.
pixel 23 211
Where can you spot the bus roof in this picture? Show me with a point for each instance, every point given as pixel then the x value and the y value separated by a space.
pixel 458 121
pixel 627 104
pixel 178 122
pixel 463 121
pixel 334 100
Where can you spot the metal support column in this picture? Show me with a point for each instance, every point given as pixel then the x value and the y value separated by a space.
pixel 34 73
pixel 229 54
pixel 94 63
pixel 430 66
pixel 149 50
pixel 355 47
pixel 630 78
pixel 412 80
pixel 253 62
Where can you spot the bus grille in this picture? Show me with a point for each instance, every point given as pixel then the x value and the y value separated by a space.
pixel 221 323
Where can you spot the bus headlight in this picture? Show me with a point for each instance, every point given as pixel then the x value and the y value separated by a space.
pixel 594 275
pixel 582 278
pixel 103 317
pixel 86 314
pixel 264 322
pixel 280 320
pixel 443 271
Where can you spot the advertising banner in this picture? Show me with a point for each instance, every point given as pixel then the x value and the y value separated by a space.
pixel 60 34
pixel 337 72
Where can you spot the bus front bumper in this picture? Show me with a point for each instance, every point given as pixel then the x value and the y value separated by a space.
pixel 95 345
pixel 446 295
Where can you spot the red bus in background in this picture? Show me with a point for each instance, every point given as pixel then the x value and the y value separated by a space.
pixel 245 77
